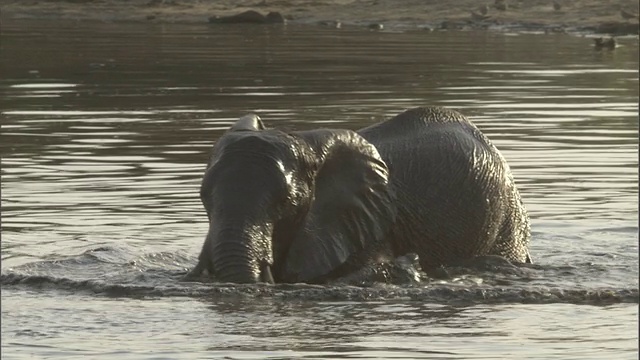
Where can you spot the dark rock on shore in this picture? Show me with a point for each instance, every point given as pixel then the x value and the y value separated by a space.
pixel 452 25
pixel 274 17
pixel 249 17
pixel 331 23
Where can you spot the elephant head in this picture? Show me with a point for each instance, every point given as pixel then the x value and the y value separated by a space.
pixel 291 207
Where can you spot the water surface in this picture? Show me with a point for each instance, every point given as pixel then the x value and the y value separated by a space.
pixel 106 130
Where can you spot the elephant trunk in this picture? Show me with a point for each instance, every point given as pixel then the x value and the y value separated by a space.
pixel 241 257
pixel 232 263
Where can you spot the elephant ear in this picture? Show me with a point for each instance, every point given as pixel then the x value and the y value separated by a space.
pixel 352 208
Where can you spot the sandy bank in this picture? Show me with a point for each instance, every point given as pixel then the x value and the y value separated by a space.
pixel 534 15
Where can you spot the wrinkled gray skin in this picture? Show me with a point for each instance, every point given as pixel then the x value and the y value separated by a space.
pixel 311 206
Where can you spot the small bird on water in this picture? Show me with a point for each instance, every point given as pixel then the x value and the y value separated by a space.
pixel 557 6
pixel 600 43
pixel 484 9
pixel 500 5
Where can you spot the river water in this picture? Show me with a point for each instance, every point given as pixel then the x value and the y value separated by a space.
pixel 105 134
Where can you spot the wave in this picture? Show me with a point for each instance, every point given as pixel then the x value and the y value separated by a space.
pixel 110 272
pixel 441 293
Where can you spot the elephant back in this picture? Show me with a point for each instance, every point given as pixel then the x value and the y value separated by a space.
pixel 455 192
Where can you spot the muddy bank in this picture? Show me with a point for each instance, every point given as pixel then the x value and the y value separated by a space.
pixel 583 16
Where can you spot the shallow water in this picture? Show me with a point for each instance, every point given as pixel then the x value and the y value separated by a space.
pixel 105 134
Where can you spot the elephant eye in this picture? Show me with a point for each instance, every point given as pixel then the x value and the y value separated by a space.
pixel 290 188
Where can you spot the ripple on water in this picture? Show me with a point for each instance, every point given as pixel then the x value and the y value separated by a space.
pixel 108 271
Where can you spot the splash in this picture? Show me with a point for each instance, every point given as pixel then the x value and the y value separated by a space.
pixel 112 272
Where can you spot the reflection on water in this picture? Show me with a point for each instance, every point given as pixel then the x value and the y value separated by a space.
pixel 106 129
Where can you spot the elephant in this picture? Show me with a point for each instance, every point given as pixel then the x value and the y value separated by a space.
pixel 312 206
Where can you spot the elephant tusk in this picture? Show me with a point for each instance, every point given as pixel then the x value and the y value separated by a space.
pixel 194 273
pixel 265 274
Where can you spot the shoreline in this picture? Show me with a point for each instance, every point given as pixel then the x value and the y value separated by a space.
pixel 584 17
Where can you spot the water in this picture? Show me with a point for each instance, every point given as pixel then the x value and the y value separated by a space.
pixel 105 133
